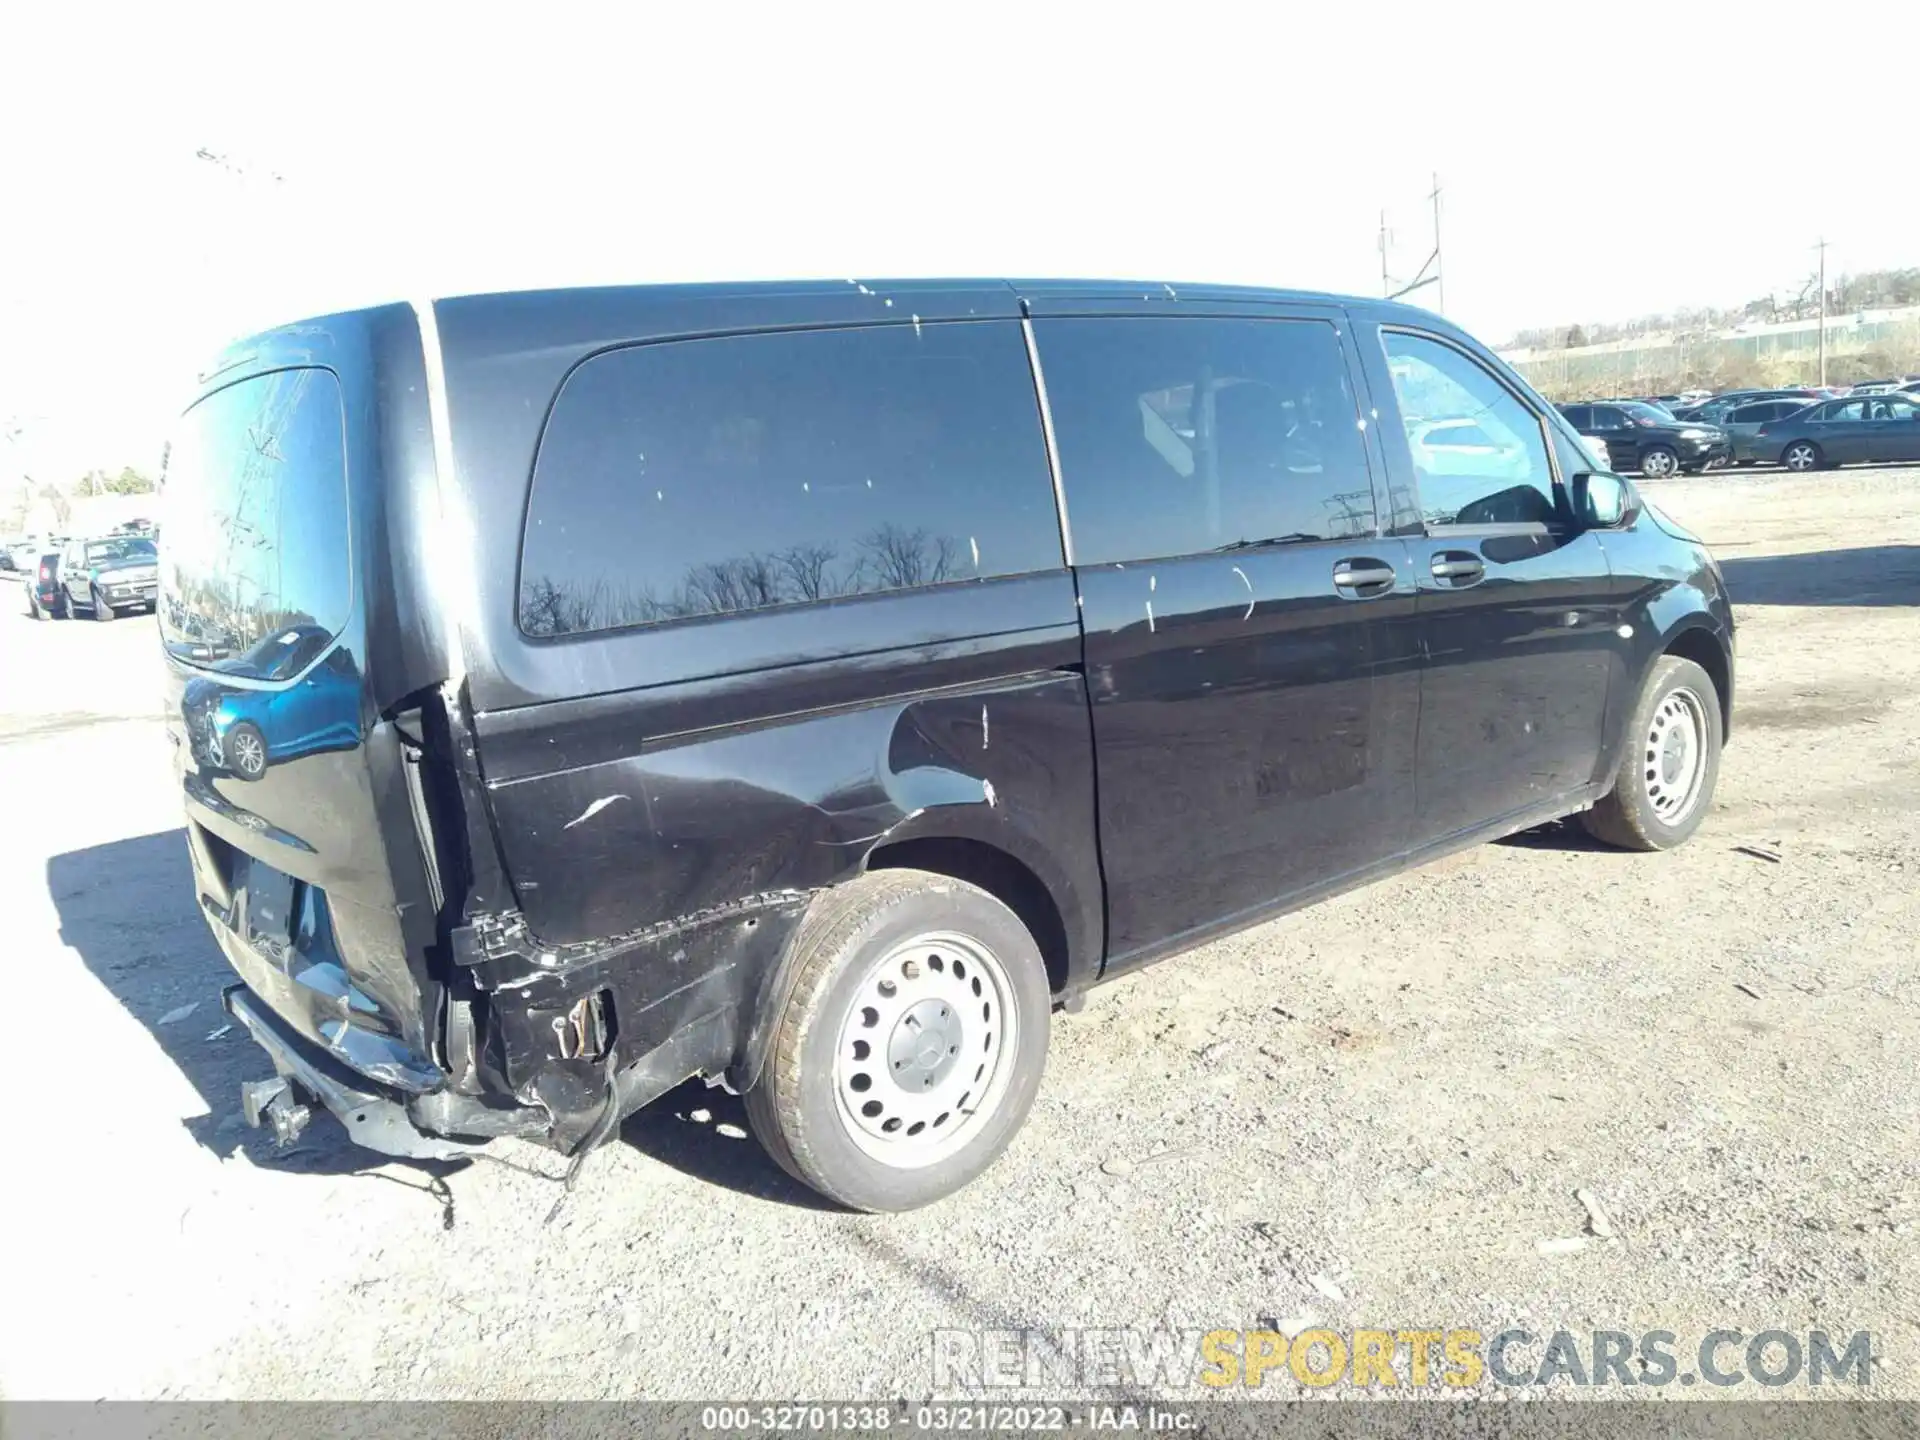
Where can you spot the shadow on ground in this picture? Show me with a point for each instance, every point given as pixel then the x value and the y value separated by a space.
pixel 1567 834
pixel 1869 575
pixel 127 908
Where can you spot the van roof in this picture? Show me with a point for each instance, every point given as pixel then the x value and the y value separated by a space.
pixel 640 312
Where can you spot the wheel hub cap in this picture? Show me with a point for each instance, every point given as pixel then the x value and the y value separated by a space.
pixel 925 1045
pixel 1675 754
pixel 925 1052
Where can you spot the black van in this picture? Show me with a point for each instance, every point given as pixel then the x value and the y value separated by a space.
pixel 811 687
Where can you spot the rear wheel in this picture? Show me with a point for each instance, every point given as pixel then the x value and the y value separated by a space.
pixel 1666 779
pixel 1657 462
pixel 1802 456
pixel 62 604
pixel 33 603
pixel 102 611
pixel 910 1049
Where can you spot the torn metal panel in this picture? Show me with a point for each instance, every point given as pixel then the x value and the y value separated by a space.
pixel 742 813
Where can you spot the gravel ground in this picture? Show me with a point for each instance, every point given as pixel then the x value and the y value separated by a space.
pixel 1368 1113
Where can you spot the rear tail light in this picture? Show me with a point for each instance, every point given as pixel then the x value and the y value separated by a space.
pixel 46 572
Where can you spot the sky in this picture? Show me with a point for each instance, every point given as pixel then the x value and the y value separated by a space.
pixel 1596 162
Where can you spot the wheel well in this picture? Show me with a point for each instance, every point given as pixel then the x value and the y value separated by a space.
pixel 1001 876
pixel 1699 646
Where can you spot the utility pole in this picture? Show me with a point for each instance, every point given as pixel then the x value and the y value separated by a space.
pixel 1386 285
pixel 1439 270
pixel 1822 248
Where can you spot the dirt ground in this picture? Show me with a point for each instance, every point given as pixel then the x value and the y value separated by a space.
pixel 1368 1113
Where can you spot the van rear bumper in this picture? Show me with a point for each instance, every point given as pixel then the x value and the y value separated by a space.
pixel 436 1126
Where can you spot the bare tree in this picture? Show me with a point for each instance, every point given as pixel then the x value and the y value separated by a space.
pixel 810 568
pixel 902 558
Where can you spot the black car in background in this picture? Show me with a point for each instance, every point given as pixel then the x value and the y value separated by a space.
pixel 1857 430
pixel 1646 438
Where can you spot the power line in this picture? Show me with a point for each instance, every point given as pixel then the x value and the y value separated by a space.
pixel 1822 248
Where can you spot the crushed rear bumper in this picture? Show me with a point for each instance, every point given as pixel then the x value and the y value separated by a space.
pixel 436 1126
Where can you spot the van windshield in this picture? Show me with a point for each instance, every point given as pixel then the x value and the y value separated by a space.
pixel 256 545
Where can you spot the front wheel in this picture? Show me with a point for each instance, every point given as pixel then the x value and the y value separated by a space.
pixel 1801 456
pixel 102 611
pixel 910 1049
pixel 246 750
pixel 1666 779
pixel 1657 462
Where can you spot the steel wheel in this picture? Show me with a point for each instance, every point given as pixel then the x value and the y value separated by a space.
pixel 924 1055
pixel 1800 456
pixel 1657 464
pixel 1675 749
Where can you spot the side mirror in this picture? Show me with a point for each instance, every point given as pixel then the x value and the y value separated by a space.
pixel 1601 500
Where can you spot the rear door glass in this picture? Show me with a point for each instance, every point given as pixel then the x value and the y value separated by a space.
pixel 1183 435
pixel 711 477
pixel 255 544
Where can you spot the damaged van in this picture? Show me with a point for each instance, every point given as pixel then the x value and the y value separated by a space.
pixel 814 687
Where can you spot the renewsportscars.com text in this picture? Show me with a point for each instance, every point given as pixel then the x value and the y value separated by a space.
pixel 1403 1357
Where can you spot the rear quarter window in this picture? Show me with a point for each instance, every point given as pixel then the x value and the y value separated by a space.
pixel 256 544
pixel 695 478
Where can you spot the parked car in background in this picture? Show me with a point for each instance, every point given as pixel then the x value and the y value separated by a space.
pixel 842 691
pixel 42 584
pixel 1742 423
pixel 1856 430
pixel 104 577
pixel 1715 409
pixel 22 552
pixel 1645 438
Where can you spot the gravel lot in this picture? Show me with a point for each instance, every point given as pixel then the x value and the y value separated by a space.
pixel 1368 1113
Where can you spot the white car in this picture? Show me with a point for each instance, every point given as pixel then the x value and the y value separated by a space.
pixel 1464 446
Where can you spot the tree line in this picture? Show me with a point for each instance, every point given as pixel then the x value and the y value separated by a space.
pixel 1870 290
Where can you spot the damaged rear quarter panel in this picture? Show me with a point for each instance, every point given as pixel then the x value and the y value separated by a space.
pixel 645 808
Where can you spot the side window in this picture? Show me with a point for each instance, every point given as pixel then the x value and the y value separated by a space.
pixel 1578 416
pixel 1893 407
pixel 708 477
pixel 1507 482
pixel 1179 436
pixel 1608 417
pixel 1845 412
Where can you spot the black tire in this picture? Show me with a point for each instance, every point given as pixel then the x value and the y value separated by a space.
pixel 34 612
pixel 102 611
pixel 1802 456
pixel 848 932
pixel 62 604
pixel 1630 815
pixel 245 751
pixel 1658 462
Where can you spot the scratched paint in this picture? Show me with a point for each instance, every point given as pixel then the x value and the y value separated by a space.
pixel 592 810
